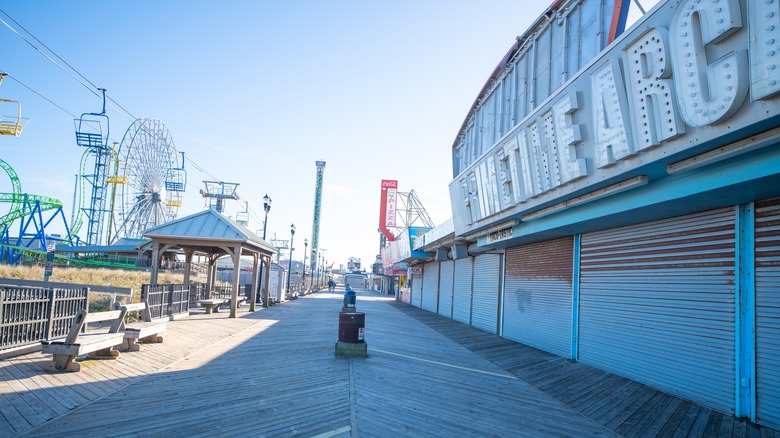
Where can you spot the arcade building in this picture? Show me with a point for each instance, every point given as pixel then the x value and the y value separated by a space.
pixel 617 202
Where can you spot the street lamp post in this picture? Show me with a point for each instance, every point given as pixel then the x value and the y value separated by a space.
pixel 305 246
pixel 319 269
pixel 323 265
pixel 289 265
pixel 322 268
pixel 266 208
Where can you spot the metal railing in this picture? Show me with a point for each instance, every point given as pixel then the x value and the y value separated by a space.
pixel 198 291
pixel 29 315
pixel 166 300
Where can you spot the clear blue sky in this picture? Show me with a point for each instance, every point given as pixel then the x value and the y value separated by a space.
pixel 254 92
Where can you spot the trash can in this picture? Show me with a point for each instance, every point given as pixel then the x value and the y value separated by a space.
pixel 349 301
pixel 352 327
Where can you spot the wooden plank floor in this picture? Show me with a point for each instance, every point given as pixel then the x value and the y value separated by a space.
pixel 273 373
pixel 627 408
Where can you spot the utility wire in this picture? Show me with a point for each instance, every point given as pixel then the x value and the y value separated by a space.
pixel 60 58
pixel 92 90
pixel 42 96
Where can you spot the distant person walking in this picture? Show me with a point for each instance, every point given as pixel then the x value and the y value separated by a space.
pixel 331 285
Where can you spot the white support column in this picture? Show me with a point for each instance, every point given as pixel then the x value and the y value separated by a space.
pixel 255 274
pixel 267 281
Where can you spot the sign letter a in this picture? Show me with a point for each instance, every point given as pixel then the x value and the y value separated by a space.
pixel 609 116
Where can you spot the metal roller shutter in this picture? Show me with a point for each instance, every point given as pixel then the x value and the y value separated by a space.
pixel 657 305
pixel 461 293
pixel 417 281
pixel 484 305
pixel 446 271
pixel 430 293
pixel 768 312
pixel 538 295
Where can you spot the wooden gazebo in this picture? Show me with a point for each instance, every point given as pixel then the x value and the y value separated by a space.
pixel 211 234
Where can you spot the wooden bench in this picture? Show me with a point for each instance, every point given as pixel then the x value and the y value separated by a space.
pixel 146 330
pixel 213 304
pixel 99 345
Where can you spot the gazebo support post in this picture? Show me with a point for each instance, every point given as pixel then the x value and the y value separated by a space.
pixel 211 275
pixel 236 256
pixel 155 263
pixel 187 265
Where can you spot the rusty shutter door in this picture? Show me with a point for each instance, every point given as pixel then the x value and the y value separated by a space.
pixel 768 312
pixel 487 280
pixel 657 305
pixel 461 291
pixel 538 295
pixel 430 293
pixel 446 271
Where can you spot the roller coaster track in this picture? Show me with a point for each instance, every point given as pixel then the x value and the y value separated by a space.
pixel 19 201
pixel 16 186
pixel 40 255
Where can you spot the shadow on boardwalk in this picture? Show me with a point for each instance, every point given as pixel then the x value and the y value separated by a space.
pixel 273 373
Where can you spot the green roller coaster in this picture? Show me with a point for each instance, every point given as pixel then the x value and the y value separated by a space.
pixel 28 211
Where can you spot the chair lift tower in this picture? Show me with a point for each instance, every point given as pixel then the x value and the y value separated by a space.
pixel 217 192
pixel 89 134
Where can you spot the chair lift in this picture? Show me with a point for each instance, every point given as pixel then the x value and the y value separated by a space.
pixel 12 125
pixel 175 184
pixel 89 131
pixel 242 217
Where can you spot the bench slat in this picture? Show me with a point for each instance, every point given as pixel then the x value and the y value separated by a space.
pixel 103 316
pixel 87 343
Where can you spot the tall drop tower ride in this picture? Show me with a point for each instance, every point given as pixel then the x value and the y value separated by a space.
pixel 315 232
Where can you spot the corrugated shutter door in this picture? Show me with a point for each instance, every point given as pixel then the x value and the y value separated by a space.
pixel 484 305
pixel 768 313
pixel 430 296
pixel 446 271
pixel 537 295
pixel 417 281
pixel 461 293
pixel 657 305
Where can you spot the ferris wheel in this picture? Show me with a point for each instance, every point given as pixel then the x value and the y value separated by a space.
pixel 149 184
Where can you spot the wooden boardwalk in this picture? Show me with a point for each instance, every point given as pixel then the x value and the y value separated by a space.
pixel 273 373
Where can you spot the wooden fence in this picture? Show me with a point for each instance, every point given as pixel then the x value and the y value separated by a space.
pixel 29 315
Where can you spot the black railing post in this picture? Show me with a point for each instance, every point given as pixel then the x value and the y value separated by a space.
pixel 169 307
pixel 50 317
pixel 2 306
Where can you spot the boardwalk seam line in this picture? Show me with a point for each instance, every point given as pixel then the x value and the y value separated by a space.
pixel 473 370
pixel 352 400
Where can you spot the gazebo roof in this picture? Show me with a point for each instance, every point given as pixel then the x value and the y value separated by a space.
pixel 205 230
